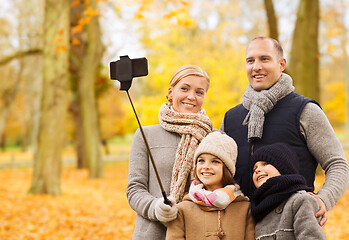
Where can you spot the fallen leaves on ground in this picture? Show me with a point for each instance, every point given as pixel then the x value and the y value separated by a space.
pixel 91 209
pixel 87 209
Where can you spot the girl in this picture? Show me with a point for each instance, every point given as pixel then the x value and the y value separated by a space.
pixel 215 208
pixel 183 124
pixel 281 206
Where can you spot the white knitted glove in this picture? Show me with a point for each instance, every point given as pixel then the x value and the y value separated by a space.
pixel 166 213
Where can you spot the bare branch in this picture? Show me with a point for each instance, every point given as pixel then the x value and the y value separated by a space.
pixel 20 54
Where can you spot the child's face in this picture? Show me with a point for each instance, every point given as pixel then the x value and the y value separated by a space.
pixel 209 170
pixel 262 171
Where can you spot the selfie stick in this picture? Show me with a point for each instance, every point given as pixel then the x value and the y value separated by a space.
pixel 124 70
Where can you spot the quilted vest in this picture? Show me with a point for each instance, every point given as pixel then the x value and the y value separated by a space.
pixel 282 124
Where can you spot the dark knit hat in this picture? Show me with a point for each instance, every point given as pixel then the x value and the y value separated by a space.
pixel 280 155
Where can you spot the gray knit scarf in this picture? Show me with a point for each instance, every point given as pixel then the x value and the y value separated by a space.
pixel 261 102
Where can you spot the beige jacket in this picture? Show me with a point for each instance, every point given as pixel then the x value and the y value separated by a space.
pixel 193 223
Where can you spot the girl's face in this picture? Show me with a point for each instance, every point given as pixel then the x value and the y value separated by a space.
pixel 209 170
pixel 262 171
pixel 188 94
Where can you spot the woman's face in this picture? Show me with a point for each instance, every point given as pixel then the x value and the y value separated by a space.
pixel 188 94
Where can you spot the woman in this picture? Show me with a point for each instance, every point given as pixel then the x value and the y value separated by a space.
pixel 183 124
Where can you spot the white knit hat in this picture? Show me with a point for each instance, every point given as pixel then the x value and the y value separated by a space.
pixel 220 145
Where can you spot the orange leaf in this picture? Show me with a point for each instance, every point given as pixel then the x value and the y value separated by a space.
pixel 84 20
pixel 77 29
pixel 57 40
pixel 76 42
pixel 91 12
pixel 75 3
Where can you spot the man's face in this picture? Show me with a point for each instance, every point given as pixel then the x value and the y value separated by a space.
pixel 263 64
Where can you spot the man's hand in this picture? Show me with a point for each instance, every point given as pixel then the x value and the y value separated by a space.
pixel 322 210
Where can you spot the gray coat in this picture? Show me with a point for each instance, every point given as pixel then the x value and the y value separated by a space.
pixel 143 188
pixel 293 219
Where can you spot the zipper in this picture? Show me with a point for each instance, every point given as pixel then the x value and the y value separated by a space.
pixel 249 169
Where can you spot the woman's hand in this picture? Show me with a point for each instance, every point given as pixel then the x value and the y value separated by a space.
pixel 166 213
pixel 322 210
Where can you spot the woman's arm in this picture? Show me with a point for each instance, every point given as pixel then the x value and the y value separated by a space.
pixel 139 198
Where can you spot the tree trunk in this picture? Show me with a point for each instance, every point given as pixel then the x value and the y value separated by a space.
pixel 36 95
pixel 47 165
pixel 85 62
pixel 77 53
pixel 304 61
pixel 8 97
pixel 88 104
pixel 78 133
pixel 272 20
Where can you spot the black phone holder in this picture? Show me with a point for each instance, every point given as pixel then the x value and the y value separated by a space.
pixel 125 69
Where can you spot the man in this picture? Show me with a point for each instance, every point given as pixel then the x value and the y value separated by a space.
pixel 272 112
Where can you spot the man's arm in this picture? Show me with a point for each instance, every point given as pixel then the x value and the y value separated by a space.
pixel 222 126
pixel 327 150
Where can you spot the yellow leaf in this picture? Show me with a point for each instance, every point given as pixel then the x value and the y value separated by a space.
pixel 138 15
pixel 185 3
pixel 172 13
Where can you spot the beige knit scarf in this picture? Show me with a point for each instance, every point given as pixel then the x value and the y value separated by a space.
pixel 192 127
pixel 260 103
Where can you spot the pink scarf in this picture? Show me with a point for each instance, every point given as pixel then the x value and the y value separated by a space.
pixel 219 199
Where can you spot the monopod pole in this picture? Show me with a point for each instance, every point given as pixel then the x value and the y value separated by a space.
pixel 166 201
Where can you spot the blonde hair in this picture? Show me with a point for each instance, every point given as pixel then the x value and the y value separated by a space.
pixel 188 70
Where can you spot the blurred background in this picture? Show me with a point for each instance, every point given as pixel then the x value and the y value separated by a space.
pixel 59 107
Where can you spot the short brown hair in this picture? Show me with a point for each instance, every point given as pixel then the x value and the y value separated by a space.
pixel 276 44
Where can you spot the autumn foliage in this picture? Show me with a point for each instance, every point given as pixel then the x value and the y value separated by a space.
pixel 87 209
pixel 93 208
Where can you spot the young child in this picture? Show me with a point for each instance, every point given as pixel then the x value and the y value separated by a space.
pixel 280 205
pixel 215 208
